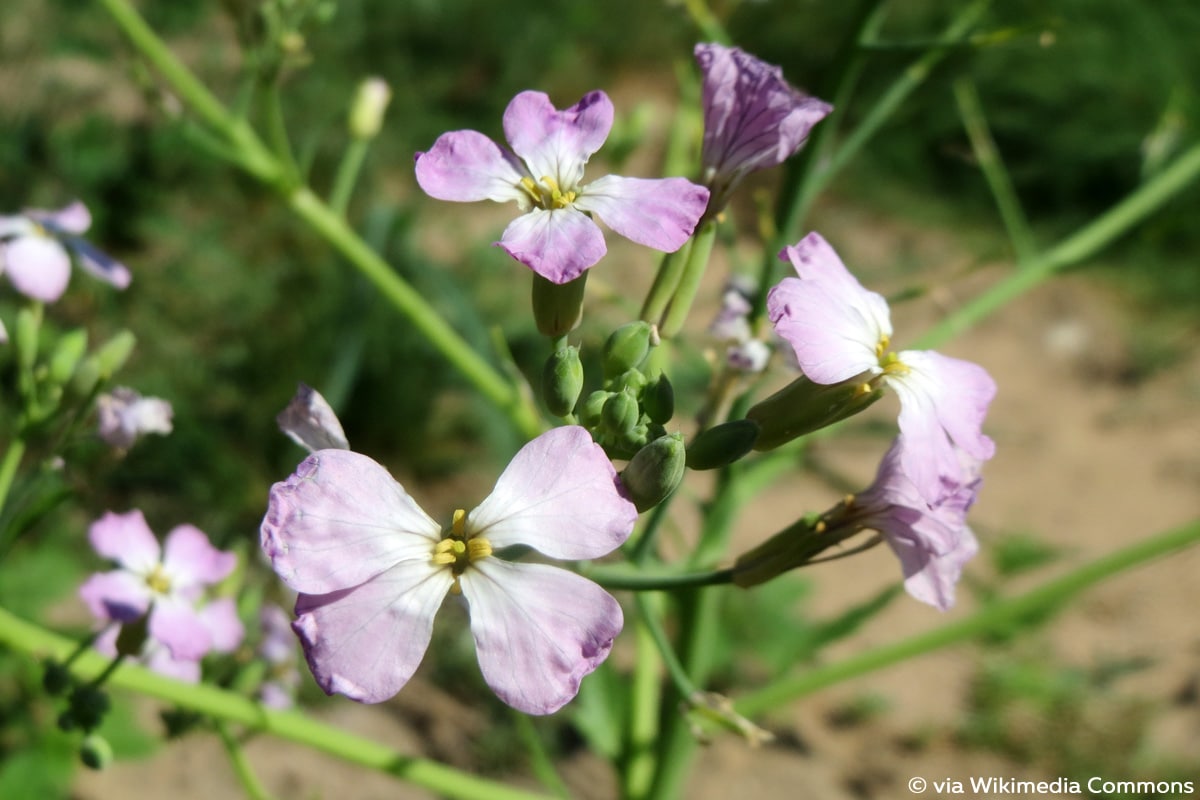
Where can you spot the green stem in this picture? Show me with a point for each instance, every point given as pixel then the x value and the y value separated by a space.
pixel 241 764
pixel 347 175
pixel 641 581
pixel 645 700
pixel 1081 245
pixel 689 282
pixel 665 282
pixel 706 21
pixel 1000 615
pixel 277 132
pixel 539 759
pixel 8 468
pixel 233 708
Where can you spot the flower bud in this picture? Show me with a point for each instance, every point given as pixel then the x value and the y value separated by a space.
pixel 562 381
pixel 133 636
pixel 558 307
pixel 95 752
pixel 366 112
pixel 655 471
pixel 803 407
pixel 593 407
pixel 103 363
pixel 627 347
pixel 631 380
pixel 722 444
pixel 87 706
pixel 57 678
pixel 67 353
pixel 620 414
pixel 26 336
pixel 658 399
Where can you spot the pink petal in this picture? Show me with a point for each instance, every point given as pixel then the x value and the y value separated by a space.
pixel 558 245
pixel 177 625
pixel 98 263
pixel 931 577
pixel 118 595
pixel 538 631
pixel 190 560
pixel 365 642
pixel 339 521
pixel 221 620
pixel 660 213
pixel 159 659
pixel 832 341
pixel 560 496
pixel 310 422
pixel 38 267
pixel 465 166
pixel 74 218
pixel 557 143
pixel 126 539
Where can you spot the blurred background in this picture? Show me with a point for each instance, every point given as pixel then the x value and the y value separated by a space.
pixel 233 303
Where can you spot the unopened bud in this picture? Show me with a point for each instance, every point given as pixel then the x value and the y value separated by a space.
pixel 803 407
pixel 627 347
pixel 57 678
pixel 26 336
pixel 620 414
pixel 133 636
pixel 68 351
pixel 104 362
pixel 655 471
pixel 366 112
pixel 658 400
pixel 593 408
pixel 558 307
pixel 562 381
pixel 95 752
pixel 631 380
pixel 722 444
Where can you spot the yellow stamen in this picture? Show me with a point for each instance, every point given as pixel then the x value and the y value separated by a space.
pixel 478 548
pixel 884 343
pixel 158 581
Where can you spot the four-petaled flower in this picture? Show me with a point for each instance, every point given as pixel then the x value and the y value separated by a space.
pixel 165 582
pixel 36 248
pixel 753 118
pixel 554 236
pixel 372 570
pixel 839 330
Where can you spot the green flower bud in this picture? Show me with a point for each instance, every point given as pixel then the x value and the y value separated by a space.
pixel 593 407
pixel 655 471
pixel 558 307
pixel 57 678
pixel 722 444
pixel 26 336
pixel 627 347
pixel 631 380
pixel 658 400
pixel 620 414
pixel 803 407
pixel 95 752
pixel 103 363
pixel 366 112
pixel 67 353
pixel 562 381
pixel 87 707
pixel 133 636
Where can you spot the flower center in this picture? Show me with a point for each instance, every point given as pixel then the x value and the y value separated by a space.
pixel 460 548
pixel 158 581
pixel 547 194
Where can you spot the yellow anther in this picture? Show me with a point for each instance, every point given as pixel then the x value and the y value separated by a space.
pixel 458 526
pixel 862 389
pixel 885 342
pixel 478 548
pixel 552 185
pixel 820 526
pixel 158 581
pixel 443 552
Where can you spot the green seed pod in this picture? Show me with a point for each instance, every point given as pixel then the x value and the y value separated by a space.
pixel 593 407
pixel 95 752
pixel 620 414
pixel 658 399
pixel 655 471
pixel 803 407
pixel 67 353
pixel 558 307
pixel 627 347
pixel 722 444
pixel 562 381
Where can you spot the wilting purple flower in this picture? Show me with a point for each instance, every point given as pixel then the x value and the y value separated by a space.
pixel 931 540
pixel 124 415
pixel 220 619
pixel 309 421
pixel 278 649
pixel 36 248
pixel 554 236
pixel 372 569
pixel 165 582
pixel 840 330
pixel 753 119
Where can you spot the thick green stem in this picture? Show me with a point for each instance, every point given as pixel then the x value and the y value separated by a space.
pixel 637 772
pixel 689 281
pixel 230 707
pixel 8 468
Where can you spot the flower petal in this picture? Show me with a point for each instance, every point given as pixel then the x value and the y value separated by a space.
pixel 310 422
pixel 38 267
pixel 74 218
pixel 126 539
pixel 930 577
pixel 190 560
pixel 365 642
pixel 340 520
pixel 659 213
pixel 221 619
pixel 538 630
pixel 558 245
pixel 117 595
pixel 97 263
pixel 559 495
pixel 465 166
pixel 176 624
pixel 555 143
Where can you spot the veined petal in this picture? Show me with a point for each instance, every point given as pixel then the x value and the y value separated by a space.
pixel 558 244
pixel 465 166
pixel 930 577
pixel 126 539
pixel 557 143
pixel 74 218
pixel 831 340
pixel 365 642
pixel 559 495
pixel 117 595
pixel 177 625
pixel 816 261
pixel 189 559
pixel 38 267
pixel 659 213
pixel 538 631
pixel 339 521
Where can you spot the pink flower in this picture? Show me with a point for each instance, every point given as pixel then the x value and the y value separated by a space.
pixel 840 330
pixel 753 119
pixel 225 631
pixel 278 649
pixel 372 570
pixel 36 248
pixel 124 415
pixel 554 236
pixel 164 582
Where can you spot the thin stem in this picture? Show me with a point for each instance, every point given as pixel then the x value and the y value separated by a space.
pixel 539 759
pixel 277 131
pixel 706 21
pixel 1002 614
pixel 230 707
pixel 241 764
pixel 665 281
pixel 641 581
pixel 8 468
pixel 645 699
pixel 347 175
pixel 689 281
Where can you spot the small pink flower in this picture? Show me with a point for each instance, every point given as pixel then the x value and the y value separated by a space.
pixel 372 570
pixel 554 236
pixel 36 248
pixel 124 416
pixel 225 630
